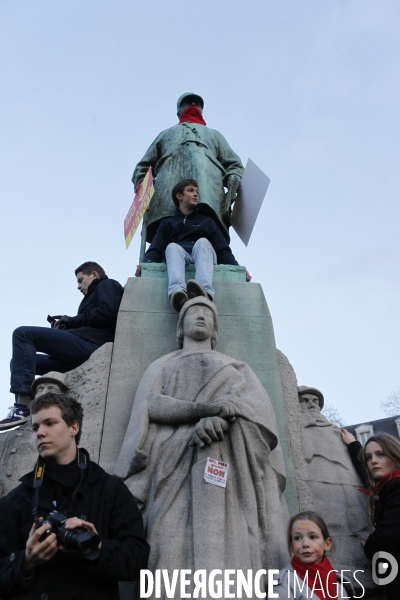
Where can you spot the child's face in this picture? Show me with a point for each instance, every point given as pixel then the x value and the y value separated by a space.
pixel 378 463
pixel 308 543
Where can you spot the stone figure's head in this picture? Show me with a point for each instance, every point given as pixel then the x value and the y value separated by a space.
pixel 198 319
pixel 189 99
pixel 57 425
pixel 310 398
pixel 51 382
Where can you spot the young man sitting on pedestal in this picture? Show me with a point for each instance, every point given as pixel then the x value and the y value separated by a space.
pixel 69 342
pixel 189 238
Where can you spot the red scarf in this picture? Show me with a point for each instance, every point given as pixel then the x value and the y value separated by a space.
pixel 393 475
pixel 192 114
pixel 323 568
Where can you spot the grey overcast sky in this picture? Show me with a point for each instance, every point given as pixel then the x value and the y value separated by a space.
pixel 308 89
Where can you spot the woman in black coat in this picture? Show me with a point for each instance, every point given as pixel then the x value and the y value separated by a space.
pixel 378 464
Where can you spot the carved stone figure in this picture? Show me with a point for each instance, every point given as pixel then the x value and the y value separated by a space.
pixel 191 150
pixel 197 403
pixel 88 384
pixel 333 482
pixel 51 382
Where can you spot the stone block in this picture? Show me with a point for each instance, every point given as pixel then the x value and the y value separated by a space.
pixel 89 385
pixel 146 330
pixel 220 272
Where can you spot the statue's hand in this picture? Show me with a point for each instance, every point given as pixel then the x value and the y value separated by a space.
pixel 233 182
pixel 221 408
pixel 207 430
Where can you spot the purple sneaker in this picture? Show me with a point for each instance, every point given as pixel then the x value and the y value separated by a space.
pixel 18 415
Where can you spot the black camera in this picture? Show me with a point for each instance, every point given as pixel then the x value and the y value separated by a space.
pixel 80 539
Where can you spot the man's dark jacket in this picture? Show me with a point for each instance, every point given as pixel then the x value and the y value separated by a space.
pixel 97 314
pixel 102 500
pixel 185 230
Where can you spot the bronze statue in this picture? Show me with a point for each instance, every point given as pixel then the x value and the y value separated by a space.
pixel 190 149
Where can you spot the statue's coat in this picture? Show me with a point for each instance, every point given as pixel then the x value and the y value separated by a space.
pixel 189 151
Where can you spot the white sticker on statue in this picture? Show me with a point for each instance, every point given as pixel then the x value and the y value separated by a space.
pixel 216 472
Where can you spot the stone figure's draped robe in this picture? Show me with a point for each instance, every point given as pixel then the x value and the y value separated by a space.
pixel 334 484
pixel 193 524
pixel 188 151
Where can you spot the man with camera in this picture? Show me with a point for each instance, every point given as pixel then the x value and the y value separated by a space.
pixel 69 530
pixel 69 342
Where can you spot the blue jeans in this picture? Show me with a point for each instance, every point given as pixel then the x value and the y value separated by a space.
pixel 64 351
pixel 203 257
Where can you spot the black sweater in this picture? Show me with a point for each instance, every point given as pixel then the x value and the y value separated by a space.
pixel 103 500
pixel 185 230
pixel 97 313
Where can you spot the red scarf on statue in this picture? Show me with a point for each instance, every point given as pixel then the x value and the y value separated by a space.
pixel 192 114
pixel 328 584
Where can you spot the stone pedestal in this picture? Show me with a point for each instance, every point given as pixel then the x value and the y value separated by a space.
pixel 146 330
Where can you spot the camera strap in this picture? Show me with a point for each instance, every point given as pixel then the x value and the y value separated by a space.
pixel 38 477
pixel 37 482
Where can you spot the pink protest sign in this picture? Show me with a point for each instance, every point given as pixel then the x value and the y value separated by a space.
pixel 139 205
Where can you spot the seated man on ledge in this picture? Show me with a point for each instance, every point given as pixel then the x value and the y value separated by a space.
pixel 189 238
pixel 95 537
pixel 68 343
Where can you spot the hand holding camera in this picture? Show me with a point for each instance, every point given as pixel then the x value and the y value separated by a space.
pixel 58 321
pixel 59 533
pixel 38 552
pixel 73 534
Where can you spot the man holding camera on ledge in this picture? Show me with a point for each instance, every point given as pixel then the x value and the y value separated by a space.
pixel 69 530
pixel 69 342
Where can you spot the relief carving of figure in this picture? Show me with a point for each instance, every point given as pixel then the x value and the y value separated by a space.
pixel 197 403
pixel 333 482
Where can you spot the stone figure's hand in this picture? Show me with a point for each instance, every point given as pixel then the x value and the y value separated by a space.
pixel 221 408
pixel 37 552
pixel 347 437
pixel 210 429
pixel 248 276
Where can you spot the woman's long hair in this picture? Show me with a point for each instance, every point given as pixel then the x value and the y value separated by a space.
pixel 391 448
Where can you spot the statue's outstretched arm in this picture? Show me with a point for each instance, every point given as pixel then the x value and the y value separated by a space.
pixel 168 410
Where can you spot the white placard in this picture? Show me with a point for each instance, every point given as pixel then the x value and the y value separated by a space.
pixel 249 199
pixel 216 472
